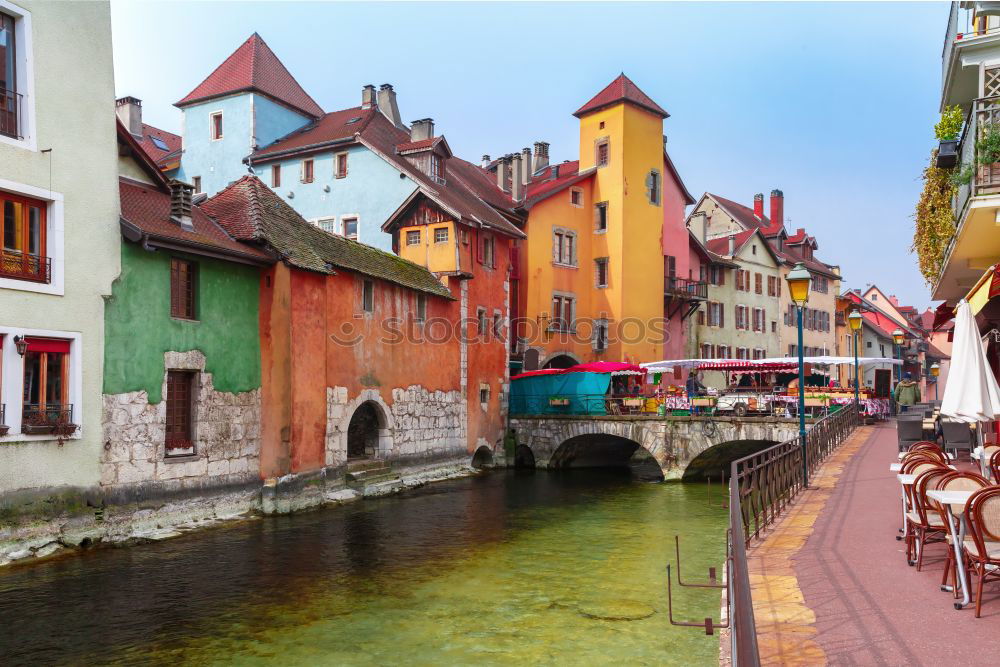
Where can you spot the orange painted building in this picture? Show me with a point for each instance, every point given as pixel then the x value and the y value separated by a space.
pixel 607 271
pixel 360 361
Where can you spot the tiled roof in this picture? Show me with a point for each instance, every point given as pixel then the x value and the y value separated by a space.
pixel 418 145
pixel 253 66
pixel 621 90
pixel 467 193
pixel 170 140
pixel 333 127
pixel 250 210
pixel 147 208
pixel 720 246
pixel 544 185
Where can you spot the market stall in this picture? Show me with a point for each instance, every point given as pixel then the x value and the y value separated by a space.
pixel 596 388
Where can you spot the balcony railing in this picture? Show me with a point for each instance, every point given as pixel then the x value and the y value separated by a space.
pixel 25 266
pixel 685 288
pixel 52 418
pixel 10 114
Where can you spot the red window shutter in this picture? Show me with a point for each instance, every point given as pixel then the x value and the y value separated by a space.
pixel 480 241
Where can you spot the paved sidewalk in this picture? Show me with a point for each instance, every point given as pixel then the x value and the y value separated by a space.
pixel 831 584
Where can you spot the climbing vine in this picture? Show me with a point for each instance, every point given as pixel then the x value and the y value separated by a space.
pixel 935 223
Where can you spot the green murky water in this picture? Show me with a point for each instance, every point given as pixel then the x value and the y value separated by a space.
pixel 507 568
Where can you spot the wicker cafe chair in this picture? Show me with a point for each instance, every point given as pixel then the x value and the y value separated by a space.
pixel 927 453
pixel 924 524
pixel 982 512
pixel 925 444
pixel 954 481
pixel 991 462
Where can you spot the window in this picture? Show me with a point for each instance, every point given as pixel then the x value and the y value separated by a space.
pixel 368 296
pixel 196 182
pixel 275 175
pixel 421 307
pixel 327 225
pixel 487 257
pixel 742 280
pixel 23 239
pixel 741 353
pixel 716 315
pixel 497 326
pixel 758 283
pixel 307 171
pixel 341 162
pixel 437 169
pixel 564 247
pixel 706 350
pixel 562 312
pixel 601 271
pixel 46 383
pixel 603 153
pixel 601 217
pixel 701 317
pixel 602 125
pixel 653 187
pixel 481 321
pixel 774 326
pixel 740 316
pixel 183 275
pixel 159 143
pixel 180 394
pixel 413 237
pixel 820 284
pixel 716 275
pixel 440 235
pixel 484 394
pixel 349 228
pixel 772 287
pixel 465 237
pixel 600 334
pixel 759 320
pixel 9 102
pixel 576 197
pixel 216 124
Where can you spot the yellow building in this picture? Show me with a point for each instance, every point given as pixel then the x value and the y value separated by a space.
pixel 603 232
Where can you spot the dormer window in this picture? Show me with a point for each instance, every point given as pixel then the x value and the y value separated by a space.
pixel 437 169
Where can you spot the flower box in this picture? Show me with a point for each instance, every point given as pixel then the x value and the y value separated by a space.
pixel 947 156
pixel 37 429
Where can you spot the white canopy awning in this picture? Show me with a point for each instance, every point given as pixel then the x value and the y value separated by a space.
pixel 971 393
pixel 668 365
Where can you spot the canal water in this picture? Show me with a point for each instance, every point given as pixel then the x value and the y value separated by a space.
pixel 509 567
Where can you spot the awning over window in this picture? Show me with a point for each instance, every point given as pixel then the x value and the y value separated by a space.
pixel 986 288
pixel 47 344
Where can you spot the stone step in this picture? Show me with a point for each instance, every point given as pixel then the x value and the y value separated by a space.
pixel 382 472
pixel 365 464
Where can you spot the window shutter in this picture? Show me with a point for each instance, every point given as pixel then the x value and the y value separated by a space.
pixel 493 253
pixel 722 316
pixel 480 241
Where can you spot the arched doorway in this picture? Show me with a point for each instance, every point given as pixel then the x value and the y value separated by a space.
pixel 364 430
pixel 561 361
pixel 483 458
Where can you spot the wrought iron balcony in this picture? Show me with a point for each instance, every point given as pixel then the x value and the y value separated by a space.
pixel 10 114
pixel 685 288
pixel 53 418
pixel 24 266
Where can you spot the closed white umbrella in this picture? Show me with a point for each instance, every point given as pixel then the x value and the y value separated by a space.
pixel 972 393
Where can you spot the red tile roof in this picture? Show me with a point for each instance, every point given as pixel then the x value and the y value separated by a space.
pixel 170 140
pixel 621 90
pixel 544 186
pixel 418 145
pixel 720 246
pixel 147 208
pixel 331 128
pixel 252 211
pixel 745 216
pixel 253 66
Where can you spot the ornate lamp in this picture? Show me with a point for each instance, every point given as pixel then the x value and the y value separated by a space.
pixel 855 320
pixel 935 369
pixel 898 336
pixel 21 345
pixel 799 281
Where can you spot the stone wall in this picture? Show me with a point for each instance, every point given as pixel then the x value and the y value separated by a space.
pixel 418 425
pixel 226 431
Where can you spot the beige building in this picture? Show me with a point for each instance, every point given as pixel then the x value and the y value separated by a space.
pixel 740 319
pixel 723 218
pixel 59 239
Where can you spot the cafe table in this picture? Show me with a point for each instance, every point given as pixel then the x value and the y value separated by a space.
pixel 954 501
pixel 904 481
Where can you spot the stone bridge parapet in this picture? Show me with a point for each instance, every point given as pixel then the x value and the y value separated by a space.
pixel 674 442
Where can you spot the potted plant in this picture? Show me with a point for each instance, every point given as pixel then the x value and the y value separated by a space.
pixel 37 422
pixel 988 145
pixel 947 131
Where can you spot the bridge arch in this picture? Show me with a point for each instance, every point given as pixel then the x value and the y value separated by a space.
pixel 524 457
pixel 483 458
pixel 600 450
pixel 714 461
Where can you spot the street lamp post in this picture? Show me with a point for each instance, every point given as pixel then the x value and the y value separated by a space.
pixel 798 287
pixel 935 372
pixel 854 319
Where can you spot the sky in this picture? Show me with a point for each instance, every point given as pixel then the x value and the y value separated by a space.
pixel 834 104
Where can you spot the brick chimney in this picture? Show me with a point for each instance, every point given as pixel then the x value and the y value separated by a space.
pixel 129 110
pixel 180 203
pixel 758 205
pixel 422 129
pixel 503 173
pixel 368 97
pixel 387 104
pixel 516 178
pixel 777 208
pixel 541 159
pixel 526 170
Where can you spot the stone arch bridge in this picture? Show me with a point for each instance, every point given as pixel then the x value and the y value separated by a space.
pixel 557 441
